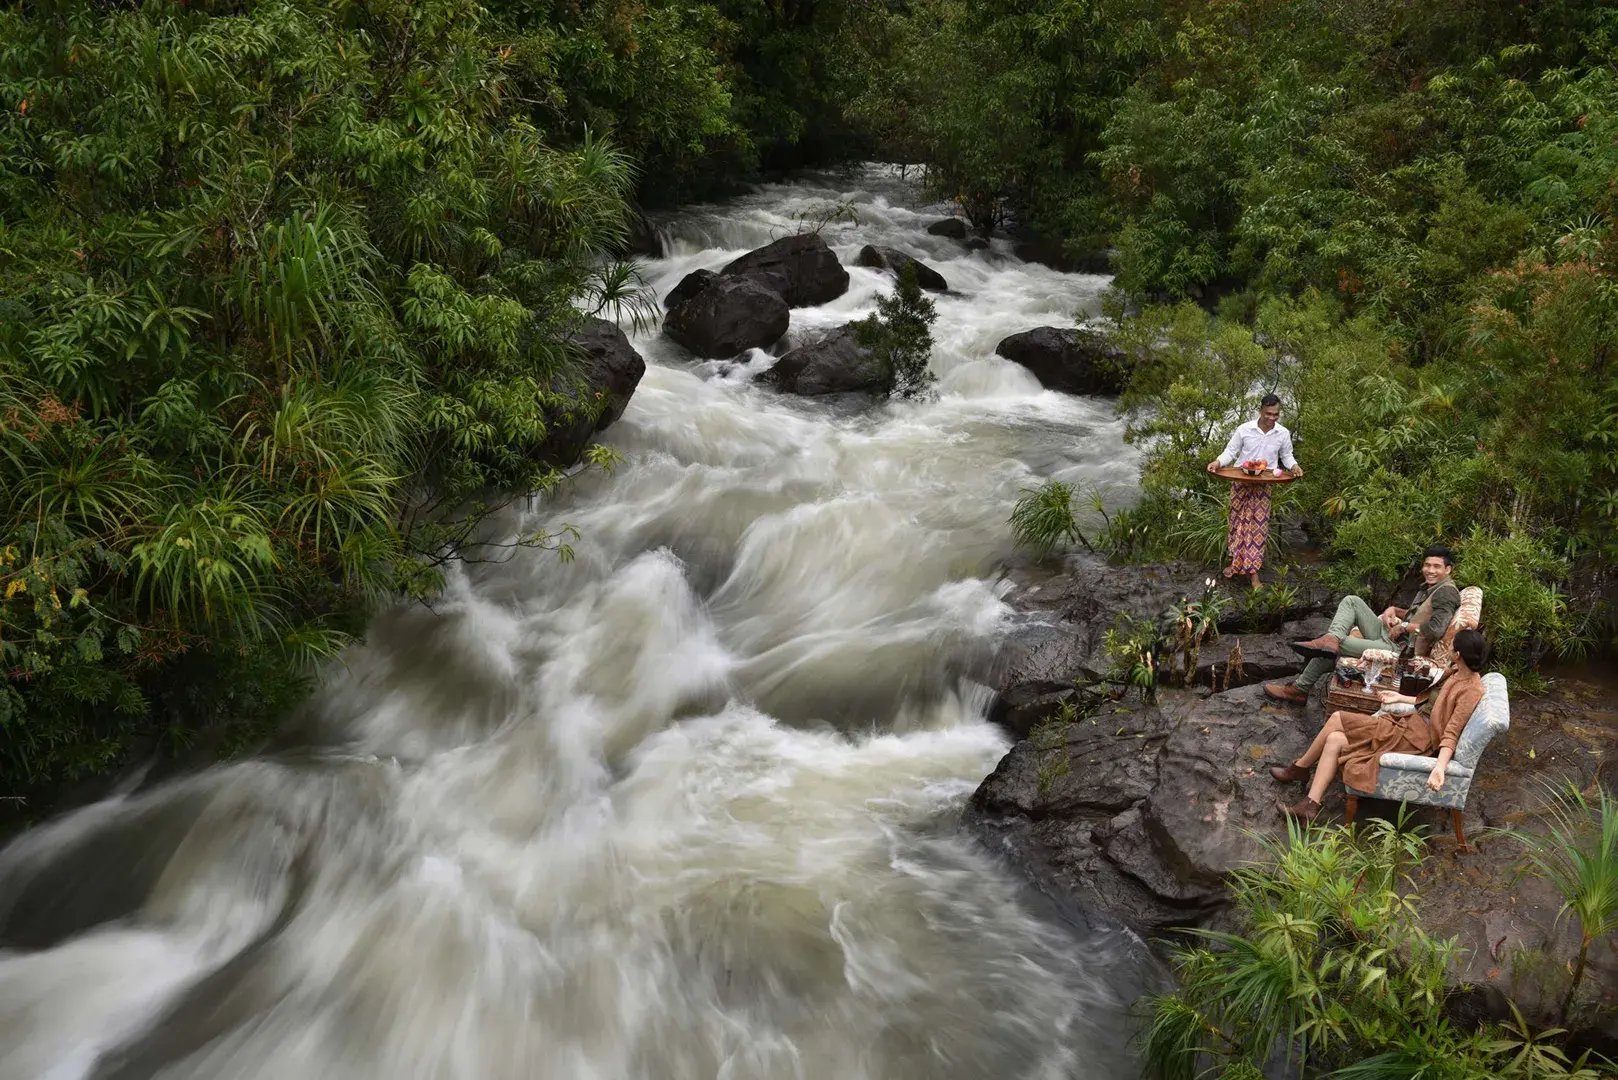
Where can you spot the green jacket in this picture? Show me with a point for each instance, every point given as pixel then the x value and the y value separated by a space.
pixel 1446 600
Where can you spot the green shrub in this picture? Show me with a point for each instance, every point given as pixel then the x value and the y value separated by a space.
pixel 1579 856
pixel 1330 967
pixel 259 339
pixel 899 335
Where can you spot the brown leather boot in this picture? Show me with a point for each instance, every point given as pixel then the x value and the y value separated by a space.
pixel 1326 645
pixel 1303 811
pixel 1286 693
pixel 1289 774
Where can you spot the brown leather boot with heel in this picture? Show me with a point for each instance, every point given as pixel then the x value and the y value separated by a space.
pixel 1286 693
pixel 1303 811
pixel 1289 774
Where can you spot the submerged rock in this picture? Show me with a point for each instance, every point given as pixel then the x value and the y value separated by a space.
pixel 801 268
pixel 886 258
pixel 1073 360
pixel 728 316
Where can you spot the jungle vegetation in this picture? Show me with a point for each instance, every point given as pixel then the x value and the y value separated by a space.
pixel 286 287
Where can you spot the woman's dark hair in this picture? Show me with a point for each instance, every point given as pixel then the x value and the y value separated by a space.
pixel 1473 647
pixel 1268 400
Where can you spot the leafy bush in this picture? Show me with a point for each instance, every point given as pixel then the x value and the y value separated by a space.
pixel 285 284
pixel 1330 967
pixel 899 335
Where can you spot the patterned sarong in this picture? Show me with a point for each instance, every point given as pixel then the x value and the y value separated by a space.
pixel 1249 526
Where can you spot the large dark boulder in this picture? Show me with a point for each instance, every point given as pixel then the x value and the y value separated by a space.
pixel 729 316
pixel 953 227
pixel 689 286
pixel 886 258
pixel 837 363
pixel 607 376
pixel 1073 360
pixel 801 268
pixel 1152 804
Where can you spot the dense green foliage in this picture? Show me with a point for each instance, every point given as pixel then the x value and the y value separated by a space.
pixel 1405 212
pixel 280 284
pixel 284 281
pixel 1330 968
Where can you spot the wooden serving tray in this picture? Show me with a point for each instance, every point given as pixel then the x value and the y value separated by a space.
pixel 1231 472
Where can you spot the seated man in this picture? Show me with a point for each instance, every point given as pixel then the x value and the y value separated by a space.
pixel 1427 617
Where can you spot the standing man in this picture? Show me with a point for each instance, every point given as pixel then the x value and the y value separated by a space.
pixel 1264 440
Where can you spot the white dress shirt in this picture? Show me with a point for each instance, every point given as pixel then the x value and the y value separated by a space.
pixel 1250 442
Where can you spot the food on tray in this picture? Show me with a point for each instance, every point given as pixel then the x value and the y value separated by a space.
pixel 1255 466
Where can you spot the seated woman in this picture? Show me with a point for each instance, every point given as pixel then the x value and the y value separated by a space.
pixel 1353 743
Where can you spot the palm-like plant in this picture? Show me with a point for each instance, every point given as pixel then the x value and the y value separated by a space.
pixel 1578 854
pixel 1043 518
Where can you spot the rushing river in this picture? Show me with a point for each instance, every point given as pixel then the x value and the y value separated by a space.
pixel 686 807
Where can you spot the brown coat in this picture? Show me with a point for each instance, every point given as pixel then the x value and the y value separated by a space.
pixel 1369 737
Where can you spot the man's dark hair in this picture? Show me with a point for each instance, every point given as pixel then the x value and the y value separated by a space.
pixel 1441 552
pixel 1268 400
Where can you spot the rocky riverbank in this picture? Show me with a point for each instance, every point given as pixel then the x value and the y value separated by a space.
pixel 1140 809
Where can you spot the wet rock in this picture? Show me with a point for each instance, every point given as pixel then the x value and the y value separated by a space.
pixel 689 286
pixel 1170 797
pixel 1127 843
pixel 886 258
pixel 642 238
pixel 730 315
pixel 801 268
pixel 837 363
pixel 1073 360
pixel 1064 613
pixel 1103 763
pixel 977 243
pixel 954 228
pixel 1260 657
pixel 608 374
pixel 1214 796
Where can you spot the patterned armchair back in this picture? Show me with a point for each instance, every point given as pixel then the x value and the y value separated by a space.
pixel 1469 616
pixel 1490 718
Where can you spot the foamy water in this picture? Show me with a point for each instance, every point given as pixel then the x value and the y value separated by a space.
pixel 686 807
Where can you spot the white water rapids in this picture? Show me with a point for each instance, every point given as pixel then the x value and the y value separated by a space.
pixel 685 808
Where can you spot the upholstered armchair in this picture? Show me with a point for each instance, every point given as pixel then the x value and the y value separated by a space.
pixel 1468 617
pixel 1403 777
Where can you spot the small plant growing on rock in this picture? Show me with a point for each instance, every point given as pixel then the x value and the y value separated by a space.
pixel 900 336
pixel 1043 518
pixel 1049 738
pixel 1135 649
pixel 1579 855
pixel 1196 622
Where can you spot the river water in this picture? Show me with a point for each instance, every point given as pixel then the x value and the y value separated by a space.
pixel 686 807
